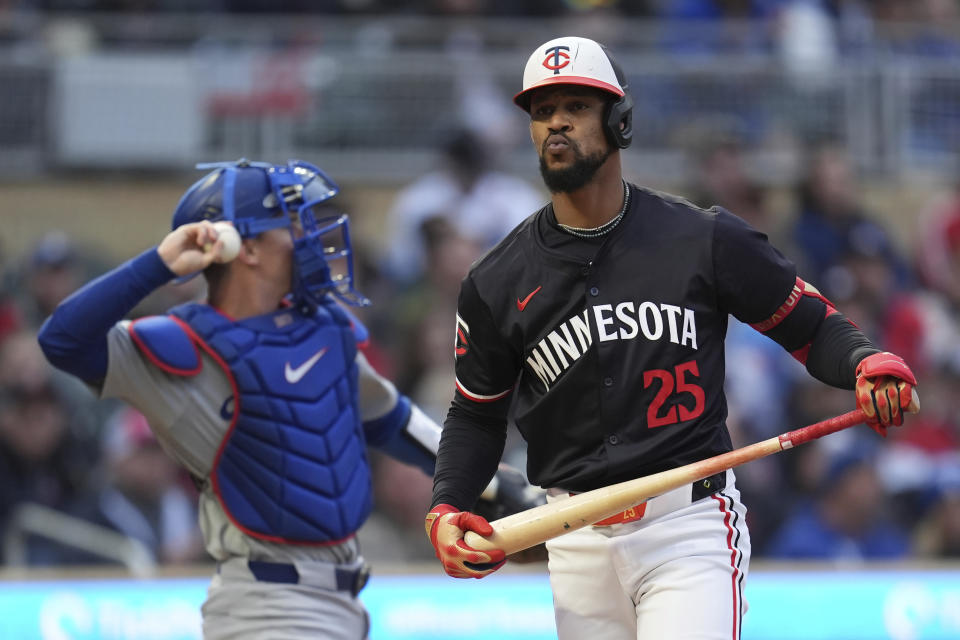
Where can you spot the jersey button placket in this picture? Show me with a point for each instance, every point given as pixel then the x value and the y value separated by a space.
pixel 594 291
pixel 612 439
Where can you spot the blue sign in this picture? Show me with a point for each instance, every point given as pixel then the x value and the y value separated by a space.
pixel 862 605
pixel 102 609
pixel 783 605
pixel 424 607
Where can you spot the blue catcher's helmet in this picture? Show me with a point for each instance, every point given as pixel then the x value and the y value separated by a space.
pixel 259 196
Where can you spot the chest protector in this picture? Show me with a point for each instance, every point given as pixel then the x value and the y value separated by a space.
pixel 292 467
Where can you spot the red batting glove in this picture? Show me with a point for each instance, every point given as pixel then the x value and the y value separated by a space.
pixel 445 526
pixel 885 389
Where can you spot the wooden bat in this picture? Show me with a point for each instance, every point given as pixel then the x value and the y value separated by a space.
pixel 531 527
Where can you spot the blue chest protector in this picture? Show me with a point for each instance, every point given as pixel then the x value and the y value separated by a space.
pixel 293 465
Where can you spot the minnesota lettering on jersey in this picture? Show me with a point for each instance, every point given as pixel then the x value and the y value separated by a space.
pixel 625 321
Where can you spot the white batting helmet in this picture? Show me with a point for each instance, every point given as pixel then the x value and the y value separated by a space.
pixel 581 61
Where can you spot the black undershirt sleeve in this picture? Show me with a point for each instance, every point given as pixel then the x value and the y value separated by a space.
pixel 471 446
pixel 799 327
pixel 837 348
pixel 836 345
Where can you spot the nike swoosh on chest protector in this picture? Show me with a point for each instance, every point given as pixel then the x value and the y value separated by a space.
pixel 293 376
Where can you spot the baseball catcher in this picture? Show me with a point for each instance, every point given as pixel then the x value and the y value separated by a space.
pixel 262 393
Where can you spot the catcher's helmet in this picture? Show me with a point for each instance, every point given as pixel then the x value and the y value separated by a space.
pixel 259 196
pixel 573 60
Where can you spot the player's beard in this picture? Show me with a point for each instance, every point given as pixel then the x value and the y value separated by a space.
pixel 578 174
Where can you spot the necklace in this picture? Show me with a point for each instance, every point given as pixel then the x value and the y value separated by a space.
pixel 606 227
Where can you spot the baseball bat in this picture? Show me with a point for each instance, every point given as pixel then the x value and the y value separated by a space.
pixel 531 527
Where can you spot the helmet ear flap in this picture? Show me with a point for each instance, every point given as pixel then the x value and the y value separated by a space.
pixel 618 118
pixel 618 121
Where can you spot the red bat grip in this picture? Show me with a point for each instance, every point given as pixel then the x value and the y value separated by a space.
pixel 820 429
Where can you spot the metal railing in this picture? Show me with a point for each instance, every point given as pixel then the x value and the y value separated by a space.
pixel 27 520
pixel 373 97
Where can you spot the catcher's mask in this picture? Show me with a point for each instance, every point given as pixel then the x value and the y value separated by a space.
pixel 259 196
pixel 581 61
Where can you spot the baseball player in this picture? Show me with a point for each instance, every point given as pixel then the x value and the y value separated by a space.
pixel 262 394
pixel 601 320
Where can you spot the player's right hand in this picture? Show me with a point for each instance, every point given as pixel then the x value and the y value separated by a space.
pixel 189 248
pixel 885 390
pixel 445 527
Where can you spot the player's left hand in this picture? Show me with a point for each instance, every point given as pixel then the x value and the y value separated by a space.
pixel 445 527
pixel 885 390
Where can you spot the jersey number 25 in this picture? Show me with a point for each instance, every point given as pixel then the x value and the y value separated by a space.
pixel 677 412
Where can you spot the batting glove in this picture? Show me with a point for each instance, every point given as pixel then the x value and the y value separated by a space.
pixel 885 389
pixel 445 526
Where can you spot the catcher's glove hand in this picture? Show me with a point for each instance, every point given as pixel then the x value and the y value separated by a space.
pixel 509 493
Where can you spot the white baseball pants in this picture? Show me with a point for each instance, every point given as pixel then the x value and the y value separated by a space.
pixel 676 573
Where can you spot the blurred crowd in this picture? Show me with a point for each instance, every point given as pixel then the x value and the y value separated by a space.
pixel 849 498
pixel 898 10
pixel 808 31
pixel 66 458
pixel 852 496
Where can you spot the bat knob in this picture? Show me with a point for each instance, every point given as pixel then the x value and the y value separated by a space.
pixel 914 406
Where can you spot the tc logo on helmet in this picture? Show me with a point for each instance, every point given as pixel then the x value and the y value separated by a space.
pixel 557 58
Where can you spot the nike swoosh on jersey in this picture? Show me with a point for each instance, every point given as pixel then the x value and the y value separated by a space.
pixel 294 376
pixel 522 304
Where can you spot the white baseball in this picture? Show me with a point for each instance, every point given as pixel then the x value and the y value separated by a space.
pixel 230 238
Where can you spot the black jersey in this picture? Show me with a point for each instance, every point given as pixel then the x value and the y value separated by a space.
pixel 613 349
